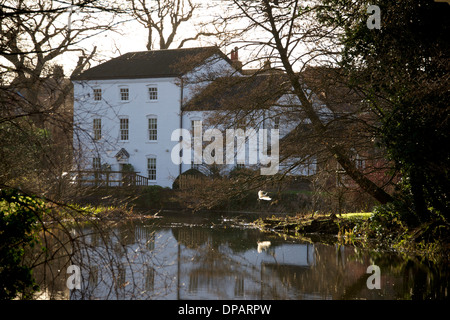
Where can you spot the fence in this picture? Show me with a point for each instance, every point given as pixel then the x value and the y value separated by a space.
pixel 109 178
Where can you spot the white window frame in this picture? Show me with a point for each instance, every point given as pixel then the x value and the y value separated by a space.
pixel 97 94
pixel 152 168
pixel 151 131
pixel 156 93
pixel 122 94
pixel 97 128
pixel 193 121
pixel 360 162
pixel 124 131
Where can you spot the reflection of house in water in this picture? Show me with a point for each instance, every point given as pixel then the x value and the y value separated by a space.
pixel 138 261
pixel 287 262
pixel 224 264
pixel 118 263
pixel 301 255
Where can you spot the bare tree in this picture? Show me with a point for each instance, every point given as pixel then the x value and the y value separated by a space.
pixel 164 19
pixel 297 57
pixel 36 115
pixel 36 112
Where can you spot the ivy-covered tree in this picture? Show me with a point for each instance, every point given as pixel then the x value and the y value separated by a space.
pixel 19 217
pixel 403 68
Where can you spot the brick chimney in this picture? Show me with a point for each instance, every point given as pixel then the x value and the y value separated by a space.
pixel 234 57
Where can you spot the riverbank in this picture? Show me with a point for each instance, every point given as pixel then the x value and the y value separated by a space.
pixel 313 227
pixel 380 231
pixel 430 240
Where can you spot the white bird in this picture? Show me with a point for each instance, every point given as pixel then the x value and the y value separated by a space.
pixel 263 196
pixel 263 245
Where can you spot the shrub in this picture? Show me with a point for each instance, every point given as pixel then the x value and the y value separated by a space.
pixel 19 217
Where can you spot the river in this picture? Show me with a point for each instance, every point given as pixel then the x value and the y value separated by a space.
pixel 219 256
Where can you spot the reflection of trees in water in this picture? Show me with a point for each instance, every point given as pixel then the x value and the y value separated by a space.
pixel 223 274
pixel 129 265
pixel 117 261
pixel 49 266
pixel 338 272
pixel 138 261
pixel 213 264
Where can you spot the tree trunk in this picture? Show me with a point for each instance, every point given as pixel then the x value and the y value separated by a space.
pixel 337 151
pixel 416 180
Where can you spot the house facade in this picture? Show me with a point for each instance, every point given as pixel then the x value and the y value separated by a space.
pixel 127 112
pixel 126 109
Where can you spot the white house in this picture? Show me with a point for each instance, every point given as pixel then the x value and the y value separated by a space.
pixel 126 110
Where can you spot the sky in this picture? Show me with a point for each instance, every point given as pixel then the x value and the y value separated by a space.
pixel 132 36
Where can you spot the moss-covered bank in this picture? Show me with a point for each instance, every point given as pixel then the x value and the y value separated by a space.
pixel 430 240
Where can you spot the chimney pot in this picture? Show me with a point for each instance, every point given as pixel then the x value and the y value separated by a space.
pixel 234 54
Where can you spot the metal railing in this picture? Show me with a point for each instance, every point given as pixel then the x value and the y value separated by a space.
pixel 109 178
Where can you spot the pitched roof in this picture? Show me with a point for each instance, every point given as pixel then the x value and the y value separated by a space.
pixel 253 92
pixel 331 87
pixel 151 64
pixel 122 154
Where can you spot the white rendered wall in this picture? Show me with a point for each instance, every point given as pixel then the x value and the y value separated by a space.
pixel 138 109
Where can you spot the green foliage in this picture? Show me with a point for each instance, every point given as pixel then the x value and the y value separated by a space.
pixel 19 217
pixel 20 146
pixel 403 69
pixel 387 222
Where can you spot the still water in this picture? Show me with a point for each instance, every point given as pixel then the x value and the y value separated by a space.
pixel 213 256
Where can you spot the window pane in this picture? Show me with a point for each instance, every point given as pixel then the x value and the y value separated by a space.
pixel 124 94
pixel 151 167
pixel 152 129
pixel 194 165
pixel 97 127
pixel 124 129
pixel 153 93
pixel 196 124
pixel 97 94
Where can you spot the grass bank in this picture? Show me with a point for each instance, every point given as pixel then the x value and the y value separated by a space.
pixel 366 229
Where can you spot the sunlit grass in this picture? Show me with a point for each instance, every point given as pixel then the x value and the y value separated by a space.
pixel 358 215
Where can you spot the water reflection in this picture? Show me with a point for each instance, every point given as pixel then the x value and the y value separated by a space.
pixel 213 259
